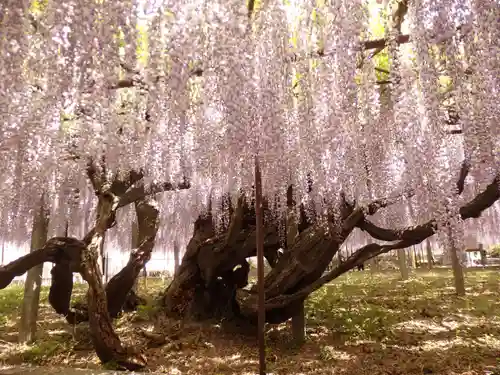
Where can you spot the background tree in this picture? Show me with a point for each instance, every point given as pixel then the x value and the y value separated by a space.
pixel 33 283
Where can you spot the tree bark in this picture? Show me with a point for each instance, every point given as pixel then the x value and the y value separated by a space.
pixel 209 262
pixel 458 273
pixel 430 258
pixel 134 244
pixel 33 283
pixel 119 296
pixel 299 319
pixel 207 258
pixel 120 293
pixel 176 256
pixel 403 266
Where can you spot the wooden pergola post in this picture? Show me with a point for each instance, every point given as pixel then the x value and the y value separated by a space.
pixel 260 267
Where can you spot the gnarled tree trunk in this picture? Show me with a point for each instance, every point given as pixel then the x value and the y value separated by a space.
pixel 71 255
pixel 214 268
pixel 120 292
pixel 205 280
pixel 106 342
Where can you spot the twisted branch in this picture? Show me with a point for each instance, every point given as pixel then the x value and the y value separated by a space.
pixel 405 237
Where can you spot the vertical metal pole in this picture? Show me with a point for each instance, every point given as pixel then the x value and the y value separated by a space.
pixel 260 267
pixel 176 256
pixel 103 256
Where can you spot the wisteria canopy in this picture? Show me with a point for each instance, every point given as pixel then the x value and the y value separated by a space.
pixel 107 103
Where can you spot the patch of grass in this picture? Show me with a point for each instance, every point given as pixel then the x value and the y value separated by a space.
pixel 150 290
pixel 111 365
pixel 152 286
pixel 362 323
pixel 10 299
pixel 44 350
pixel 494 251
pixel 146 312
pixel 365 305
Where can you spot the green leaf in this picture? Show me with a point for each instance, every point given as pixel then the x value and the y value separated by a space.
pixel 142 49
pixel 38 6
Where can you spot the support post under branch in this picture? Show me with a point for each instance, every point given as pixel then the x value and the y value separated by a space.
pixel 260 267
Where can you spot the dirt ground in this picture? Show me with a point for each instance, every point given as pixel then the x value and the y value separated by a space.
pixel 362 323
pixel 38 370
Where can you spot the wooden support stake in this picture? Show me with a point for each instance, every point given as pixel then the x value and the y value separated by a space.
pixel 260 267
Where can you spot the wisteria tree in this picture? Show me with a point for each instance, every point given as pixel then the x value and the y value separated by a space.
pixel 102 110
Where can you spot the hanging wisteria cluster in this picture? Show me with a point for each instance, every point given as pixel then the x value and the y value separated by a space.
pixel 196 90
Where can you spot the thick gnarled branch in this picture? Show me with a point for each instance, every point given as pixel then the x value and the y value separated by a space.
pixel 120 285
pixel 370 209
pixel 128 188
pixel 136 193
pixel 404 237
pixel 472 209
pixel 55 250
